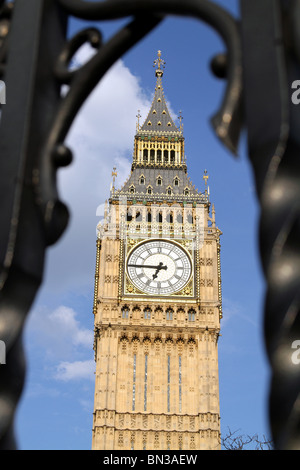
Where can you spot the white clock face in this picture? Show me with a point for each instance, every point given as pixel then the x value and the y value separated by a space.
pixel 159 267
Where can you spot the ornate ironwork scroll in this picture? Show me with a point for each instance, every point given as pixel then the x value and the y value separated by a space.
pixel 38 116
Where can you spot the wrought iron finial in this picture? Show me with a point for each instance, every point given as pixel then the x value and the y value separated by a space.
pixel 160 64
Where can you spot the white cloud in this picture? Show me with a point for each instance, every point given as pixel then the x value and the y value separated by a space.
pixel 78 370
pixel 59 332
pixel 101 137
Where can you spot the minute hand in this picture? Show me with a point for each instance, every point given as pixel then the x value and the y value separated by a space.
pixel 148 266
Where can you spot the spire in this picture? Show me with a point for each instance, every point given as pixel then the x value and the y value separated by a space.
pixel 159 119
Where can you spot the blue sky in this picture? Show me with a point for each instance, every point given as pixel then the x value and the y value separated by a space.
pixel 56 408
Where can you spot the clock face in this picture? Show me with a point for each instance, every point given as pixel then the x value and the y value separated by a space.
pixel 159 267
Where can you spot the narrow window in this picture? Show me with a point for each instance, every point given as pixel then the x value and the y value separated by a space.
pixel 133 385
pixel 179 378
pixel 168 386
pixel 145 382
pixel 191 315
pixel 147 314
pixel 169 314
pixel 125 312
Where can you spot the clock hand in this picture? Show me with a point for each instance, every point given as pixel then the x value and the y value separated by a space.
pixel 159 267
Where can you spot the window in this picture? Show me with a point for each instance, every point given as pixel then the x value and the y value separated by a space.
pixel 186 191
pixel 147 314
pixel 132 189
pixel 125 312
pixel 149 190
pixel 176 182
pixel 168 386
pixel 133 382
pixel 169 314
pixel 142 180
pixel 192 315
pixel 159 181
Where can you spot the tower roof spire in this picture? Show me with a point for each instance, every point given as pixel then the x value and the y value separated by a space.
pixel 159 120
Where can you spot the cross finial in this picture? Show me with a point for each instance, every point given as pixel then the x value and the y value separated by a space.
pixel 205 177
pixel 114 174
pixel 138 120
pixel 180 120
pixel 160 64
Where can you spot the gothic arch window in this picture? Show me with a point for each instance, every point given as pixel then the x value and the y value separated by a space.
pixel 172 156
pixel 170 218
pixel 145 155
pixel 138 217
pixel 169 191
pixel 152 155
pixel 169 314
pixel 159 217
pixel 132 189
pixel 142 179
pixel 129 216
pixel 158 156
pixel 176 181
pixel 179 218
pixel 192 315
pixel 159 181
pixel 125 312
pixel 166 156
pixel 149 217
pixel 149 190
pixel 147 313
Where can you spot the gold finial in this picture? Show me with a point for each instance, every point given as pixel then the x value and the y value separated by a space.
pixel 205 177
pixel 180 120
pixel 138 120
pixel 160 64
pixel 114 174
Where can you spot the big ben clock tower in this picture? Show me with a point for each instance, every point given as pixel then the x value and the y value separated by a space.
pixel 157 302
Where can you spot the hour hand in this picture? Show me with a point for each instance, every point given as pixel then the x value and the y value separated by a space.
pixel 158 268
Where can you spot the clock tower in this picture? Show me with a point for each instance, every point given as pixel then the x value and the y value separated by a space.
pixel 157 300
